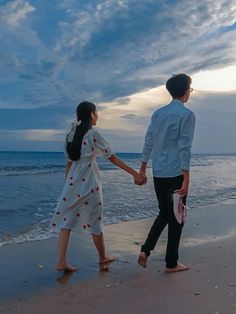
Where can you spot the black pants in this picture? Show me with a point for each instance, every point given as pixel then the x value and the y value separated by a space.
pixel 164 188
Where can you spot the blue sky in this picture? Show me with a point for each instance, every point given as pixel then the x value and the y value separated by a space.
pixel 117 54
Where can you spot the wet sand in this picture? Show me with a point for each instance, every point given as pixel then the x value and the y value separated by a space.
pixel 29 283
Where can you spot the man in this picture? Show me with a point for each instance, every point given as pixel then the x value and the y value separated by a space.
pixel 169 139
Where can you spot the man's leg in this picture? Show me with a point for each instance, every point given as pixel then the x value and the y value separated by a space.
pixel 174 235
pixel 159 223
pixel 174 230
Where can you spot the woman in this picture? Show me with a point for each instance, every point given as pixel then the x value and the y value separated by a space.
pixel 80 206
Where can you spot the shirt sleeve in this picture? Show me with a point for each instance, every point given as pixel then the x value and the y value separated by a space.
pixel 187 128
pixel 101 146
pixel 148 143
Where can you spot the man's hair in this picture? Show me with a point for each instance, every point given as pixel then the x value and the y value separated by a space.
pixel 178 84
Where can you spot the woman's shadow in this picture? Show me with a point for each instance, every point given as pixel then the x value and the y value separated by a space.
pixel 64 278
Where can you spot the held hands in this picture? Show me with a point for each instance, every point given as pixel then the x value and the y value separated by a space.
pixel 140 178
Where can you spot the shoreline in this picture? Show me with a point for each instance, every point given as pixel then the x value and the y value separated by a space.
pixel 29 201
pixel 193 211
pixel 205 247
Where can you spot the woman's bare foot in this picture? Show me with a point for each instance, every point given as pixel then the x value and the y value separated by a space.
pixel 179 267
pixel 66 268
pixel 107 259
pixel 103 268
pixel 142 259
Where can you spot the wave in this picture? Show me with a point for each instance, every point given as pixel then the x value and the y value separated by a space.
pixel 24 170
pixel 52 168
pixel 18 170
pixel 42 231
pixel 37 233
pixel 43 163
pixel 29 170
pixel 203 163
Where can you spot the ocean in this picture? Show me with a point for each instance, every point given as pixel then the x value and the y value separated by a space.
pixel 31 183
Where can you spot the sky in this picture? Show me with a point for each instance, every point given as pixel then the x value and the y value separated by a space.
pixel 117 54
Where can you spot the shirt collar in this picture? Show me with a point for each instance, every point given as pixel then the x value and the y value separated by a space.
pixel 176 101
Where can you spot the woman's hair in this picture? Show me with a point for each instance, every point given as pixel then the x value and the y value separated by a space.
pixel 178 84
pixel 83 112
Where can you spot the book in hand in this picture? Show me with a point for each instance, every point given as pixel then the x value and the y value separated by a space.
pixel 179 208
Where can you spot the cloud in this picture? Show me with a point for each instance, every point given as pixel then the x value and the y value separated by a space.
pixel 129 116
pixel 117 54
pixel 215 113
pixel 132 113
pixel 54 117
pixel 15 12
pixel 125 125
pixel 104 50
pixel 32 140
pixel 215 127
pixel 43 135
pixel 216 80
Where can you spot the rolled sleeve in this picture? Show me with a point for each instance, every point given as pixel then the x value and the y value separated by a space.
pixel 148 144
pixel 185 140
pixel 101 146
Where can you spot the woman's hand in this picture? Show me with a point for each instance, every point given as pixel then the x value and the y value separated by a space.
pixel 139 179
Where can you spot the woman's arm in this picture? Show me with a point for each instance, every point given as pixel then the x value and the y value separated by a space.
pixel 119 163
pixel 68 166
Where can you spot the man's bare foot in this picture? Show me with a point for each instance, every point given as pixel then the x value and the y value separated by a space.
pixel 66 268
pixel 107 259
pixel 179 267
pixel 142 259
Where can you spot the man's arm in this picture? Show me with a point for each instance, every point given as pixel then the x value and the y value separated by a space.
pixel 185 144
pixel 142 172
pixel 147 149
pixel 185 185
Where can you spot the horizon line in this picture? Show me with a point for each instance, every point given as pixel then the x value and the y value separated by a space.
pixel 61 152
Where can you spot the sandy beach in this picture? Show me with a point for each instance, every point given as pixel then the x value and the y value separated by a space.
pixel 29 283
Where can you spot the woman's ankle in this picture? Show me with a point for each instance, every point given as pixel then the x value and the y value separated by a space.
pixel 62 262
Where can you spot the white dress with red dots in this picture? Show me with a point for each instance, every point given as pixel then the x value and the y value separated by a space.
pixel 80 206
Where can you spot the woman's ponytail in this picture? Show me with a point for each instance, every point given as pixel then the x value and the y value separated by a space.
pixel 84 123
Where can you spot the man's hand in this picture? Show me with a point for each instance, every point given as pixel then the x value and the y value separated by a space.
pixel 143 177
pixel 184 188
pixel 142 173
pixel 185 185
